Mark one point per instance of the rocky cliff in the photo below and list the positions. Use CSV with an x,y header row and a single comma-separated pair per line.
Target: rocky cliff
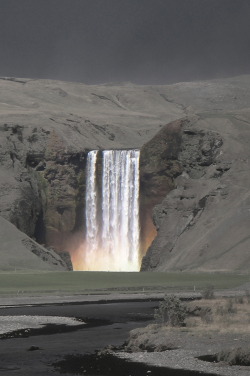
x,y
203,222
194,170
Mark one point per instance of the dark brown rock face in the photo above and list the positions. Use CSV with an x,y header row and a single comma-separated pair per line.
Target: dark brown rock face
x,y
60,182
50,181
159,166
201,223
193,152
178,149
46,186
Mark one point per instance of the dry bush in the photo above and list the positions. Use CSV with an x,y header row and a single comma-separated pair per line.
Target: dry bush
x,y
171,311
239,300
231,308
228,308
208,292
247,293
238,356
206,315
151,338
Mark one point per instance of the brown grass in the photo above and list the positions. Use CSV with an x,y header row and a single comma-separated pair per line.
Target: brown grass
x,y
221,315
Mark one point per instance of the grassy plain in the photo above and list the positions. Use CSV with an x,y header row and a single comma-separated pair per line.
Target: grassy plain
x,y
109,282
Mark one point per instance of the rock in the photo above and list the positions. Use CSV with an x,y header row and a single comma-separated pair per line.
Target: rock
x,y
33,348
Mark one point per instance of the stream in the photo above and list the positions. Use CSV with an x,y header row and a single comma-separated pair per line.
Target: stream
x,y
60,349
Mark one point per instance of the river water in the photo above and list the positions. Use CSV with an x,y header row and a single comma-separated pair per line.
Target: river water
x,y
59,349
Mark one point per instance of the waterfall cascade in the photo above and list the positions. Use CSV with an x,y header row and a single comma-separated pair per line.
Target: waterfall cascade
x,y
91,201
112,211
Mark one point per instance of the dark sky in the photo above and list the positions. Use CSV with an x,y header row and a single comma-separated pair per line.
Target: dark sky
x,y
141,41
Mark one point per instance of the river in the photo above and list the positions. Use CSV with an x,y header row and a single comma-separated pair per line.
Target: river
x,y
36,352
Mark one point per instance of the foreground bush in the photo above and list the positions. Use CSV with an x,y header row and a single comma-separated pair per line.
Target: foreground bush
x,y
239,356
171,311
151,338
208,292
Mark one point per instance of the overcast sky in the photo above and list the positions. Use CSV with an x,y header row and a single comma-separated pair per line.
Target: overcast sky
x,y
141,41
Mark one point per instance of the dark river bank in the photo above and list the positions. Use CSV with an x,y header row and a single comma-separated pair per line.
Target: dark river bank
x,y
58,349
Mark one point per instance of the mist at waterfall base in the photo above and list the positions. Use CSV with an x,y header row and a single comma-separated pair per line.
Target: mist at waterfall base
x,y
112,240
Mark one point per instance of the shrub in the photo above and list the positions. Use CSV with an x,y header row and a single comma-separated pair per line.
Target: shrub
x,y
206,315
220,310
230,307
239,300
247,293
239,356
171,311
208,293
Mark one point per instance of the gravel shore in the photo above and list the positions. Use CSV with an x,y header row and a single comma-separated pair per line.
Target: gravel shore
x,y
10,324
185,359
189,347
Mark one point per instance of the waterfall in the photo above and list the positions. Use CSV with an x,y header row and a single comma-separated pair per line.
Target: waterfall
x,y
91,202
112,240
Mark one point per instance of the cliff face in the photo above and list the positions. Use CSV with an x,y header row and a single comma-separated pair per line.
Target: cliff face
x,y
194,171
159,166
38,183
194,151
203,222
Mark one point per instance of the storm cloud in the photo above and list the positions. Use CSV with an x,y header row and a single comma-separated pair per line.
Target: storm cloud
x,y
142,41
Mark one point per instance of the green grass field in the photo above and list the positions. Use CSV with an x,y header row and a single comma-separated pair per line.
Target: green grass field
x,y
103,282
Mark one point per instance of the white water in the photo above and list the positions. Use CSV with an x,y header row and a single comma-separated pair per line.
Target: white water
x,y
91,202
114,245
